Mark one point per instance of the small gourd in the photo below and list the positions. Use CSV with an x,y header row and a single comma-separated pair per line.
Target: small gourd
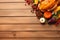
x,y
42,20
47,14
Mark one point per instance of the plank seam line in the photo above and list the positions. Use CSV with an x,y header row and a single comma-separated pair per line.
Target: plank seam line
x,y
19,23
12,2
17,9
17,16
33,31
28,37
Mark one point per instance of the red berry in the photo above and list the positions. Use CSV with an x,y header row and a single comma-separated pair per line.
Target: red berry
x,y
58,22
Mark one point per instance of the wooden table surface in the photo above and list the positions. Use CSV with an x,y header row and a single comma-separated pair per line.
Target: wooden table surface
x,y
18,23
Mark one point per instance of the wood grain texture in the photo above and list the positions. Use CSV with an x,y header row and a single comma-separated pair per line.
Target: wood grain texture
x,y
31,39
18,23
12,1
13,6
16,13
29,34
37,34
6,34
19,20
26,27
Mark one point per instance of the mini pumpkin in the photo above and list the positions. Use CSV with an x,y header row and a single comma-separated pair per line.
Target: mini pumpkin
x,y
47,14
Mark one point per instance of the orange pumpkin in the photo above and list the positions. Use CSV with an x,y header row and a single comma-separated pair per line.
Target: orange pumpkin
x,y
47,14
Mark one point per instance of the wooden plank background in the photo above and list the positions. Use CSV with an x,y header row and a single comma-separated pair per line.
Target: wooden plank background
x,y
18,23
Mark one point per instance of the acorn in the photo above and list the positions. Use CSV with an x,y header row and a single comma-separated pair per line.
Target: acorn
x,y
42,20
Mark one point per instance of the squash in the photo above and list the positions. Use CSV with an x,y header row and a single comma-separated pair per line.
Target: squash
x,y
58,14
57,9
35,1
46,4
47,14
56,4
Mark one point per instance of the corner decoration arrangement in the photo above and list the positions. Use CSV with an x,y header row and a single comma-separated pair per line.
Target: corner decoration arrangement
x,y
47,11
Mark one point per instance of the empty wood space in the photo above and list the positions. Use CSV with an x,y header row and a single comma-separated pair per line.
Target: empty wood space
x,y
16,13
29,34
18,23
12,1
26,27
13,6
